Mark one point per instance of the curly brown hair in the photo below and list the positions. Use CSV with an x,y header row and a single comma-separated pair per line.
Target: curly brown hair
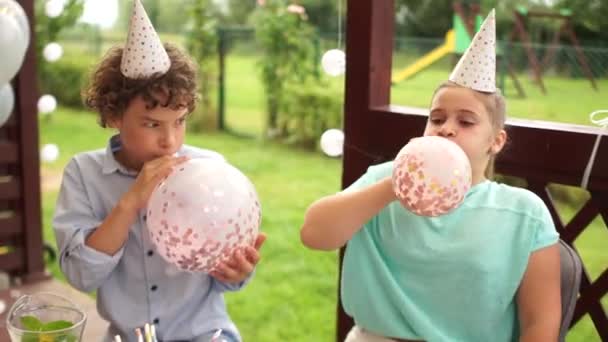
x,y
109,92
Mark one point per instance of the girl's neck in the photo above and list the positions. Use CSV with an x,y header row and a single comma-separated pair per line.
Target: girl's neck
x,y
478,177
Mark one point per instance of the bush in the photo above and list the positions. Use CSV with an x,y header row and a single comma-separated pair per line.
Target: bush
x,y
308,110
286,39
65,78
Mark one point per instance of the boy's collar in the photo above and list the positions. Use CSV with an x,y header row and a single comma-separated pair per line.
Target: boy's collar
x,y
110,164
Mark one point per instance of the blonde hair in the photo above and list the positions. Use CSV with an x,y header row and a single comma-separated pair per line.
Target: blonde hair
x,y
495,106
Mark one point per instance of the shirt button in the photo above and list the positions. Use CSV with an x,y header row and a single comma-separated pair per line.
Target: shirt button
x,y
155,321
67,254
154,287
145,217
150,252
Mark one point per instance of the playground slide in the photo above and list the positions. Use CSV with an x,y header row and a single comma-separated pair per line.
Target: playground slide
x,y
428,59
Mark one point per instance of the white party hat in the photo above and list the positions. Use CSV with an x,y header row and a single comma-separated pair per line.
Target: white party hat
x,y
476,69
144,54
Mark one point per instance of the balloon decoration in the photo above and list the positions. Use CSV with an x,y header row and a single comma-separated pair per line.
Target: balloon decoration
x,y
49,153
7,102
334,62
431,176
201,213
14,9
46,104
332,142
52,52
13,40
53,8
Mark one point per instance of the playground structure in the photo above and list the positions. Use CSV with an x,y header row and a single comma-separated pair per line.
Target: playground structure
x,y
467,22
519,31
457,40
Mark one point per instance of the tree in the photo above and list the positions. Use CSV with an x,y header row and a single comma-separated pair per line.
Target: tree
x,y
589,17
286,39
202,42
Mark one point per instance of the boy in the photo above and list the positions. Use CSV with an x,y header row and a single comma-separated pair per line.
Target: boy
x,y
144,91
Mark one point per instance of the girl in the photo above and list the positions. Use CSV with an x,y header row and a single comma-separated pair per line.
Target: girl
x,y
487,271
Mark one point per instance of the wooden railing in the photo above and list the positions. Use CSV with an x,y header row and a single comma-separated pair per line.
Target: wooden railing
x,y
541,153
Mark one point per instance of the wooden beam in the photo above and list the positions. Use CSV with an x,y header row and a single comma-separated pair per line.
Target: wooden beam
x,y
26,111
10,226
13,261
9,152
10,190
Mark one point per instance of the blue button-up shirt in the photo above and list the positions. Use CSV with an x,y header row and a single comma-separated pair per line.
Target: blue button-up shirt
x,y
136,285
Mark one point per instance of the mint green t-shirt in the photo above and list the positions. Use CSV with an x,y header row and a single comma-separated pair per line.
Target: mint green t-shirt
x,y
447,278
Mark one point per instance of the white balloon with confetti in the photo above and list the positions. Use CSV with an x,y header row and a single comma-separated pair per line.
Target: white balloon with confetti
x,y
201,213
431,176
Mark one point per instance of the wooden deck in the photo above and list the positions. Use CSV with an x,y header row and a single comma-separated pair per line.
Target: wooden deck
x,y
95,327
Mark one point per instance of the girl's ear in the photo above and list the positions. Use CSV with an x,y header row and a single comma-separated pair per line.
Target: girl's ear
x,y
499,142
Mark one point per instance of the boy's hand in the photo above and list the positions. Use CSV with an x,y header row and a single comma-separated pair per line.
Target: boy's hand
x,y
242,263
149,176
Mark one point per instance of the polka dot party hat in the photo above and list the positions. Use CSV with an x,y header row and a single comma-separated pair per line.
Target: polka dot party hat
x,y
144,54
476,69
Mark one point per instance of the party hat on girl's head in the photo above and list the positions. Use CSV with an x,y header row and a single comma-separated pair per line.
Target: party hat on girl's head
x,y
144,54
476,69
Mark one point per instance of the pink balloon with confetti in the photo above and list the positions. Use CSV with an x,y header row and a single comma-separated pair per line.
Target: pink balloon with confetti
x,y
431,176
201,213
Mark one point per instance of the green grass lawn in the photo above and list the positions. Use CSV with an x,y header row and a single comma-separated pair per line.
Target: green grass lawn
x,y
567,100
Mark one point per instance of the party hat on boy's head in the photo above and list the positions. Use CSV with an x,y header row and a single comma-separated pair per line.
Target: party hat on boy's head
x,y
476,69
144,54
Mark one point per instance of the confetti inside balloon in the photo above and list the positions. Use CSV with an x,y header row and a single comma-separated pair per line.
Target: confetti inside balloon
x,y
46,104
201,213
52,52
431,176
332,142
49,153
334,62
7,102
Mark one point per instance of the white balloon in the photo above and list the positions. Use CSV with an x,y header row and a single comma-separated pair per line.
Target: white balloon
x,y
12,8
334,62
49,153
13,45
7,102
52,52
53,8
46,104
332,142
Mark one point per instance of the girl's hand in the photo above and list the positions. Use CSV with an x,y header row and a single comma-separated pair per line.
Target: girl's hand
x,y
151,173
242,263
